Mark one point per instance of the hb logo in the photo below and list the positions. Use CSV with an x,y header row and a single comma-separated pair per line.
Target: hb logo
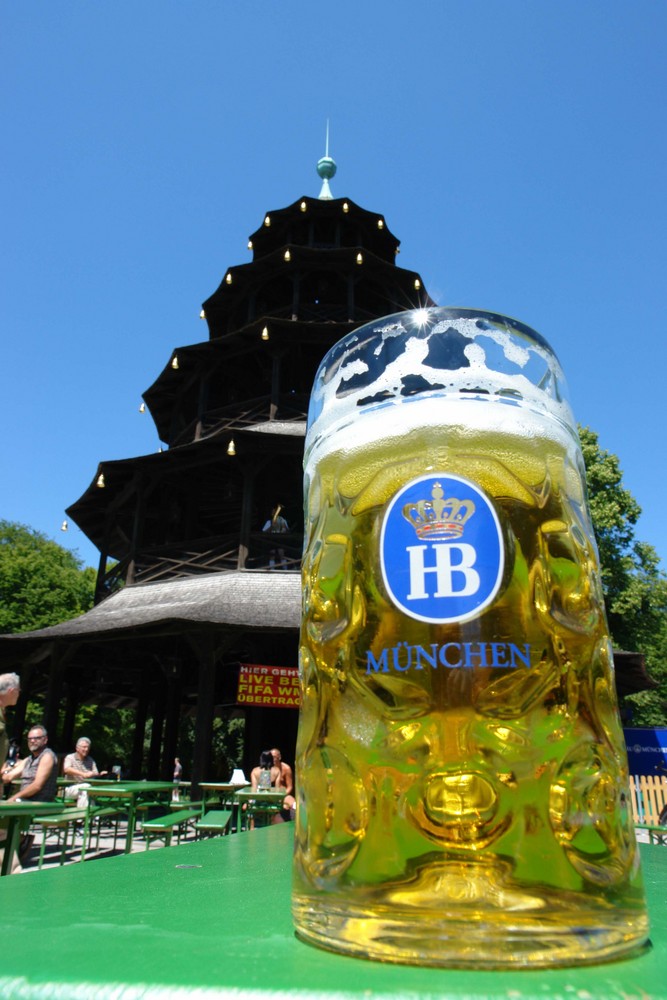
x,y
441,549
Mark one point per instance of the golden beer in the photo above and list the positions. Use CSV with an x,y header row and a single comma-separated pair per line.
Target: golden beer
x,y
461,771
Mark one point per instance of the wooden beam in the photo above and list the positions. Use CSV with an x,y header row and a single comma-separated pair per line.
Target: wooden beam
x,y
137,754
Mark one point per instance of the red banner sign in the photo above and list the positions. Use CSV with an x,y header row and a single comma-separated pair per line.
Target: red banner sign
x,y
270,687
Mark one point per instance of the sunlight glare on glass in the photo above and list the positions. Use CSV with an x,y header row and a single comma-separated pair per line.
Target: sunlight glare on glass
x,y
420,317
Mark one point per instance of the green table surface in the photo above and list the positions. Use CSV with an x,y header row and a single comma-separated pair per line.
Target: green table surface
x,y
223,786
212,919
101,787
268,795
14,813
28,807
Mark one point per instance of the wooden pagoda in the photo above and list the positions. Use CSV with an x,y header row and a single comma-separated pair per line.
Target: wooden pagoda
x,y
196,587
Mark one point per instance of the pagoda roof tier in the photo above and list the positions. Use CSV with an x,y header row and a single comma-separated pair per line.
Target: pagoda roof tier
x,y
330,223
246,355
106,512
306,283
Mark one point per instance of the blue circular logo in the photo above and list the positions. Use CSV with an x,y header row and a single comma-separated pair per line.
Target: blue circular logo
x,y
441,549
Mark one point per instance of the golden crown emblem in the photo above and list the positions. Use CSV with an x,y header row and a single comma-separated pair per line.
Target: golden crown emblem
x,y
439,517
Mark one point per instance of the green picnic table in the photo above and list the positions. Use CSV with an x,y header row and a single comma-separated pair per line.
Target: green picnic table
x,y
17,813
127,795
264,802
212,919
227,792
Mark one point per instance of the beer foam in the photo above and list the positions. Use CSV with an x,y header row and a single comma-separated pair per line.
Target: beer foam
x,y
396,422
447,354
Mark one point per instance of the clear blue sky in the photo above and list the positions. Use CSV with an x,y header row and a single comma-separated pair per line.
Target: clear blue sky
x,y
516,147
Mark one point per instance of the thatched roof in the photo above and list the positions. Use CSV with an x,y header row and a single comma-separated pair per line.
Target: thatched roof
x,y
244,598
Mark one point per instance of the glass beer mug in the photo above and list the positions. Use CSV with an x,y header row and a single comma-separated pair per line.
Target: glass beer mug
x,y
462,775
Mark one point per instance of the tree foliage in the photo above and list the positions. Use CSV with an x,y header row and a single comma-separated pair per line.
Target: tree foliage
x,y
110,730
41,583
227,743
635,589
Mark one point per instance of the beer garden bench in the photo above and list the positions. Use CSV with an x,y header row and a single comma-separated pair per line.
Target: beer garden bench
x,y
162,827
214,822
91,819
97,815
649,797
62,823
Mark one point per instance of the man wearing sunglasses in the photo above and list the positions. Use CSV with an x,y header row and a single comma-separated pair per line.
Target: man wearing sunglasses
x,y
38,771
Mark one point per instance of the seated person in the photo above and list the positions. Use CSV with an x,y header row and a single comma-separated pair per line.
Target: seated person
x,y
285,770
38,771
279,777
266,774
80,766
286,779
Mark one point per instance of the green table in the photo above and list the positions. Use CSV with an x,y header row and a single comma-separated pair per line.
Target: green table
x,y
212,919
269,801
224,789
126,795
16,813
228,796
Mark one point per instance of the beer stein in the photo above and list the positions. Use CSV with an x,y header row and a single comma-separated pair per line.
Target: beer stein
x,y
461,771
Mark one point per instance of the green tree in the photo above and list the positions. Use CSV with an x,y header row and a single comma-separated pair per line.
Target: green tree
x,y
41,583
634,587
111,731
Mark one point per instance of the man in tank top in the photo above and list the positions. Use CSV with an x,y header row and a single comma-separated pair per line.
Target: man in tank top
x,y
38,771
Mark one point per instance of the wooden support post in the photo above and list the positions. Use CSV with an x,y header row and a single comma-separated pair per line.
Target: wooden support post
x,y
172,718
204,648
100,586
71,707
275,387
137,527
53,696
156,731
137,755
296,296
246,516
19,713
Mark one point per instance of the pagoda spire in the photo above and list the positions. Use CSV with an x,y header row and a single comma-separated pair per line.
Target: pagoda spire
x,y
326,168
